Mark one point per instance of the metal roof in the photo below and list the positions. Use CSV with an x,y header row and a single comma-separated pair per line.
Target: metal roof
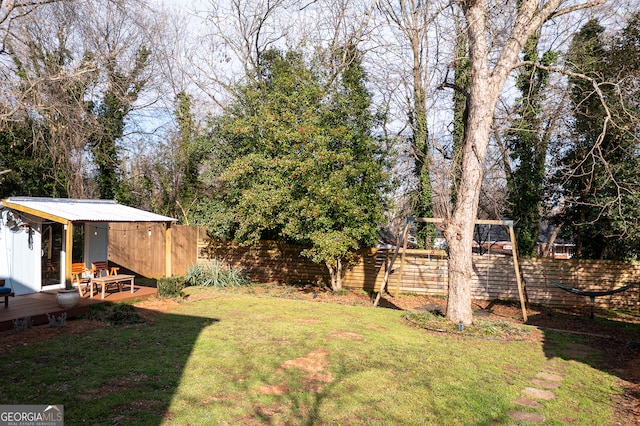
x,y
75,210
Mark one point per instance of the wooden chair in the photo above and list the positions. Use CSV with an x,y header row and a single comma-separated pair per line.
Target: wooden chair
x,y
80,276
51,270
101,269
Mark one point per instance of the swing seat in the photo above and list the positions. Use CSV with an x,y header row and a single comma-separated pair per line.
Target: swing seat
x,y
592,294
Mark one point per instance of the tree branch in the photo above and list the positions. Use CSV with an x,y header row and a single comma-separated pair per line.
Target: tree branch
x,y
573,8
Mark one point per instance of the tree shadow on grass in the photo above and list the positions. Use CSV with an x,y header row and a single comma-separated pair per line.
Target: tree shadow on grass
x,y
607,344
308,404
114,374
388,304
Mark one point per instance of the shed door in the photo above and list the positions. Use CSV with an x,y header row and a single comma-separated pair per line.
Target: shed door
x,y
52,235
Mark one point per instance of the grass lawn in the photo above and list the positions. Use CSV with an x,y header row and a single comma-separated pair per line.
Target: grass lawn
x,y
232,357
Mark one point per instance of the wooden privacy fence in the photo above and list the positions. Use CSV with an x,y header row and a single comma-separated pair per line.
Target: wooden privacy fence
x,y
425,272
141,247
494,279
269,262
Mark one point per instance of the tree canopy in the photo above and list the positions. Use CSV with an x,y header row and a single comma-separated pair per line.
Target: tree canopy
x,y
299,159
600,174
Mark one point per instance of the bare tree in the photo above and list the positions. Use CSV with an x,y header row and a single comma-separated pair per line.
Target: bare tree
x,y
39,71
411,21
230,41
11,11
62,62
492,55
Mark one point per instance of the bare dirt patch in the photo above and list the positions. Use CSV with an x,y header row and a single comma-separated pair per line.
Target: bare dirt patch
x,y
347,335
314,364
149,309
280,389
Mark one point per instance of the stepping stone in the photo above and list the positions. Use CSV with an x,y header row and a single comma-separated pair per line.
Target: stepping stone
x,y
521,416
555,367
539,394
545,384
527,402
549,377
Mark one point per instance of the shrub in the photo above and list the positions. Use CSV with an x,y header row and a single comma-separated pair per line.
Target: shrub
x,y
170,286
115,314
216,276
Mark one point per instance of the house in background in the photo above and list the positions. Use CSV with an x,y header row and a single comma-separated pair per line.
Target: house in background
x,y
41,237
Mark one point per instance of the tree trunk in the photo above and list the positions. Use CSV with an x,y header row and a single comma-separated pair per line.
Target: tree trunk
x,y
460,271
551,242
459,229
485,85
335,274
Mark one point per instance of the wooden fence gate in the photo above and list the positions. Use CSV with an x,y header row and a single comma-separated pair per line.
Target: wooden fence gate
x,y
141,247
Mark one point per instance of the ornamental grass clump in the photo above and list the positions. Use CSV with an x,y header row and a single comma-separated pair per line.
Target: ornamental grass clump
x,y
215,275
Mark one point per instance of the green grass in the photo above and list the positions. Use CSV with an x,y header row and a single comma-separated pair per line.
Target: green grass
x,y
240,358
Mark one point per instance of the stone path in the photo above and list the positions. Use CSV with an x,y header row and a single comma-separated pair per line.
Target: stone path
x,y
545,382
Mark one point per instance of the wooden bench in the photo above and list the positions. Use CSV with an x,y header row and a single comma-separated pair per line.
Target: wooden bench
x,y
5,292
118,279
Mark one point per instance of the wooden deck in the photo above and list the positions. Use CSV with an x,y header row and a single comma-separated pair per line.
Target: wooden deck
x,y
38,305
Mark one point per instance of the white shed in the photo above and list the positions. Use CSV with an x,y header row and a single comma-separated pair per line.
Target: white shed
x,y
41,237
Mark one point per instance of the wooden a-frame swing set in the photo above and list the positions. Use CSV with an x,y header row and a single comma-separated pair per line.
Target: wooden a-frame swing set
x,y
405,240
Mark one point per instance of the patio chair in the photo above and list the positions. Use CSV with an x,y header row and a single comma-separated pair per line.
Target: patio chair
x,y
5,292
101,268
51,270
80,276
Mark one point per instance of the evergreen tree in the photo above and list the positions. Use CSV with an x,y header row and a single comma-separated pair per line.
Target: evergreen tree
x,y
601,167
29,168
299,160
